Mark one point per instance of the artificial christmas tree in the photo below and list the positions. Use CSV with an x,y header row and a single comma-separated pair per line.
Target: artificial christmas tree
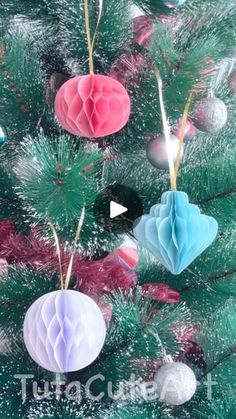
x,y
168,325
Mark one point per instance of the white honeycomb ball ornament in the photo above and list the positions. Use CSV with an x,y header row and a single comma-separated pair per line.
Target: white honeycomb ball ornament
x,y
175,383
64,331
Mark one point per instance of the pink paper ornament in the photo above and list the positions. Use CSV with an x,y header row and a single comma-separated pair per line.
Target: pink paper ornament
x,y
92,106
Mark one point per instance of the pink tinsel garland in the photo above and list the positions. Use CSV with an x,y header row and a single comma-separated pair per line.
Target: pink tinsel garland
x,y
93,276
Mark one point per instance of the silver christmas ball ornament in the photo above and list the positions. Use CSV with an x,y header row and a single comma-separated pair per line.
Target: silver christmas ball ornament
x,y
3,136
175,383
173,3
157,151
210,115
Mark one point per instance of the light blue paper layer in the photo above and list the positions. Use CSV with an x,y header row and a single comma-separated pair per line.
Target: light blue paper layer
x,y
175,231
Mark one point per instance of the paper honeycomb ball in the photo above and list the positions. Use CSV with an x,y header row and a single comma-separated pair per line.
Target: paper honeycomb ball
x,y
92,106
175,231
64,331
210,115
175,383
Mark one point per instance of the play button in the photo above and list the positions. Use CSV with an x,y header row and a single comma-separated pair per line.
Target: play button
x,y
116,208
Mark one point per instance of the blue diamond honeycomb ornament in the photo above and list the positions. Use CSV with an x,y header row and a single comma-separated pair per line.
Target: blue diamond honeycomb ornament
x,y
175,231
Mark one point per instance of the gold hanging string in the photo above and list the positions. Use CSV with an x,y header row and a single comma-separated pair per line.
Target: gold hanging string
x,y
181,133
94,36
77,236
97,25
88,35
166,130
58,251
164,354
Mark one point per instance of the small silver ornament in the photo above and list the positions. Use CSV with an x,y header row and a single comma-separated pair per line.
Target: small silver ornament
x,y
3,136
232,81
157,152
175,383
210,115
173,3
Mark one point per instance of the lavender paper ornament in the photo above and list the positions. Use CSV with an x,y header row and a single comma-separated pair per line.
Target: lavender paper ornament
x,y
175,231
64,331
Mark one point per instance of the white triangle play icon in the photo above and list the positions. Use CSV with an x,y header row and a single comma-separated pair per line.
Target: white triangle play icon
x,y
116,209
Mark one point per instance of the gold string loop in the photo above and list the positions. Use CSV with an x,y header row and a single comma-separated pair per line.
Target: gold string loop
x,y
58,251
166,130
181,134
173,168
77,236
88,35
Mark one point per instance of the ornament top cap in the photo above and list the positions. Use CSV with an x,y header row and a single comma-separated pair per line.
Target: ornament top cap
x,y
167,359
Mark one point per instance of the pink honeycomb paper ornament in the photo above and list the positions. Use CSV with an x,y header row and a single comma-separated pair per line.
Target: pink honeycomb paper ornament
x,y
92,106
64,331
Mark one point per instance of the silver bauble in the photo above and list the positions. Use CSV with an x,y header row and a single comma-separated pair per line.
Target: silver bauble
x,y
232,81
3,136
175,383
157,153
210,115
173,3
